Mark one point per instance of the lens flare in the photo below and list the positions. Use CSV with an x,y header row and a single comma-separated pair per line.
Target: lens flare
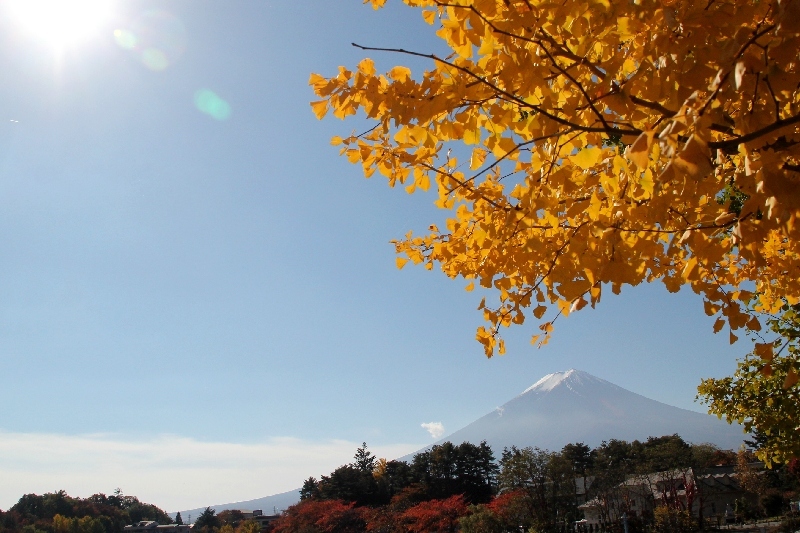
x,y
125,39
157,38
155,59
60,22
207,101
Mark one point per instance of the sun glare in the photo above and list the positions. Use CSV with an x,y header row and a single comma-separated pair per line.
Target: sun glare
x,y
60,22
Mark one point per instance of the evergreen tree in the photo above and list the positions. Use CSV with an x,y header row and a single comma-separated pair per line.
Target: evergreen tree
x,y
310,489
447,470
350,484
178,519
364,460
207,520
395,477
665,453
580,456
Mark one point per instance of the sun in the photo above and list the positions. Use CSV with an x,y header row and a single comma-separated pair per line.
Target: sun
x,y
60,22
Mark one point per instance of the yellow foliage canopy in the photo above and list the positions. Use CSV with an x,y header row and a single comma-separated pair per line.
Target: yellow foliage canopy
x,y
604,143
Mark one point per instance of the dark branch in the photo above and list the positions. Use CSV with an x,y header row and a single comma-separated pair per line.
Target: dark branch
x,y
519,101
753,135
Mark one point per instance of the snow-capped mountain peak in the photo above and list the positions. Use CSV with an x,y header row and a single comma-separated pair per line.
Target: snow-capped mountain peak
x,y
575,380
550,381
569,407
575,406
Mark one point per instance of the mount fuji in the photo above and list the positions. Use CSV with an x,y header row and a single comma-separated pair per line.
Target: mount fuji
x,y
562,408
574,406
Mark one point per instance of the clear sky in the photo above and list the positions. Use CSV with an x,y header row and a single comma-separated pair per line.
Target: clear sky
x,y
198,298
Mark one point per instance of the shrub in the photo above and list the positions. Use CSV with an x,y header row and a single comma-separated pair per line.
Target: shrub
x,y
669,520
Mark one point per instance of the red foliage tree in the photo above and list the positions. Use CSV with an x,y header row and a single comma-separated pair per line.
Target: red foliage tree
x,y
326,516
384,519
434,515
511,508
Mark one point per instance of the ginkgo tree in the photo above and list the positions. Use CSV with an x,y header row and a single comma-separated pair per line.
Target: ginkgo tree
x,y
764,397
602,143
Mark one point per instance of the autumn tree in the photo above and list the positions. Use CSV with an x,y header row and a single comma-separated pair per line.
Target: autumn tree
x,y
511,509
763,394
248,526
230,517
670,520
59,512
434,515
481,520
316,516
86,524
543,482
583,146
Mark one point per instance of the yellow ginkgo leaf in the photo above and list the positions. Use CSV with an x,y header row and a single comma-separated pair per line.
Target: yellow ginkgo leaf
x,y
320,108
472,136
400,73
477,159
587,158
639,151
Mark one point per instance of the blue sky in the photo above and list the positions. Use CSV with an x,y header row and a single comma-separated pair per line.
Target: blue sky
x,y
186,298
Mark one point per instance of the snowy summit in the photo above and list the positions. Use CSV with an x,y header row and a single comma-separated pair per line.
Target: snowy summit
x,y
575,406
572,379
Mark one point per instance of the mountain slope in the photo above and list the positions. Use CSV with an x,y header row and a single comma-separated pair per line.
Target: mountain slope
x,y
574,406
268,504
561,408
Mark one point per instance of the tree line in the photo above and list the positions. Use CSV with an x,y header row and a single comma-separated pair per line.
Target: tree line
x,y
57,512
228,521
443,471
466,488
451,487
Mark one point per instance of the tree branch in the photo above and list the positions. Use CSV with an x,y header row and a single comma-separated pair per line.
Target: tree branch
x,y
506,94
753,135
